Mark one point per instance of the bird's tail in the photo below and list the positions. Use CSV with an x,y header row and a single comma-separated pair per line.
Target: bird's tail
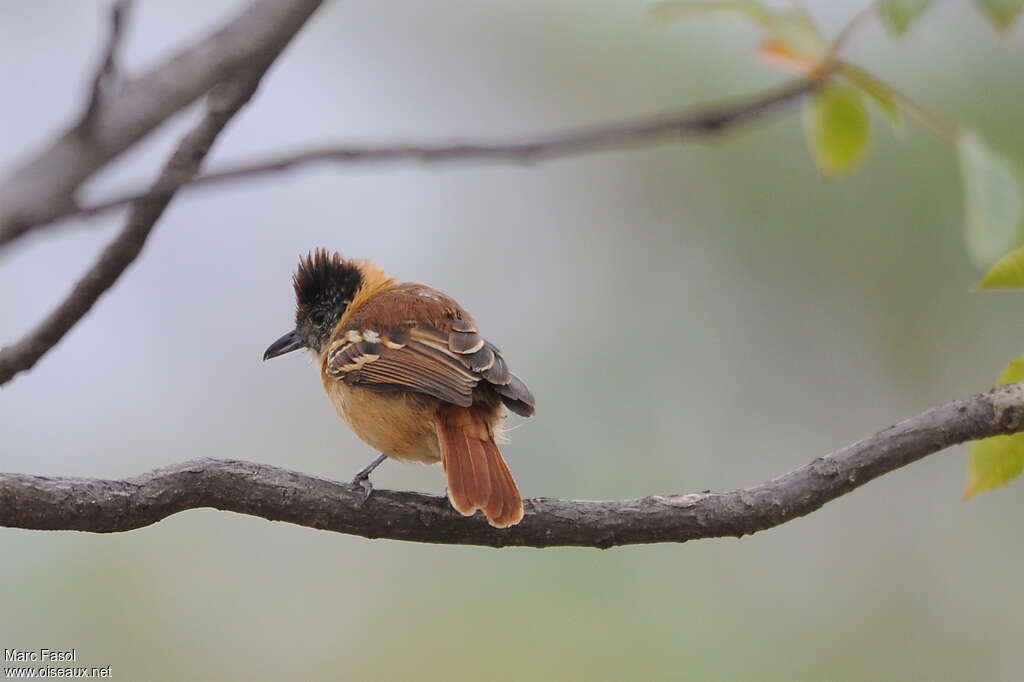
x,y
478,477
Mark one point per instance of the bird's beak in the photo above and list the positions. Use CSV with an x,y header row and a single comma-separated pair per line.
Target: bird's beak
x,y
286,344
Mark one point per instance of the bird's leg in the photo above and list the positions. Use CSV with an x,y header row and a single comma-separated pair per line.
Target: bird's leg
x,y
362,479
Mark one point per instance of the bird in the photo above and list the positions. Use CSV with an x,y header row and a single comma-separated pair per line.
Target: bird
x,y
406,367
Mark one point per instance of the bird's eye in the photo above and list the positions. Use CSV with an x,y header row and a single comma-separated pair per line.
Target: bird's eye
x,y
318,317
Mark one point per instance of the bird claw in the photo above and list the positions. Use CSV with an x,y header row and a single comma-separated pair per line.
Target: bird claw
x,y
363,481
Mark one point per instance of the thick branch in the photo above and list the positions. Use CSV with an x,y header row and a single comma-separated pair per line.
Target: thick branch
x,y
105,506
223,103
43,187
689,125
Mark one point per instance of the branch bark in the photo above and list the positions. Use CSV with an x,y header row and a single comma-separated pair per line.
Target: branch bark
x,y
42,188
690,125
105,506
224,101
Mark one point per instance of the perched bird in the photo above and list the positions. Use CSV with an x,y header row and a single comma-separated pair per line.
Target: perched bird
x,y
406,367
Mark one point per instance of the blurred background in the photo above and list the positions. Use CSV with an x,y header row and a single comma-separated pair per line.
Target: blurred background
x,y
786,317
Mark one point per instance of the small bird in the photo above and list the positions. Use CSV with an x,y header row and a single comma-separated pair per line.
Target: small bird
x,y
406,367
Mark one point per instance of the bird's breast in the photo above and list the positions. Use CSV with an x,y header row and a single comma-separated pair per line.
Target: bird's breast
x,y
400,424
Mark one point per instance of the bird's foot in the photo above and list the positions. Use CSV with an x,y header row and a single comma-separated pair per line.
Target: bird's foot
x,y
362,479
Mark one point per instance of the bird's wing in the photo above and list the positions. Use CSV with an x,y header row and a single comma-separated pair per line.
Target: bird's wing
x,y
447,364
413,359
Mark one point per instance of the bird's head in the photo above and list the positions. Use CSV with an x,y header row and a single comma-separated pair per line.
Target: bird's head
x,y
325,284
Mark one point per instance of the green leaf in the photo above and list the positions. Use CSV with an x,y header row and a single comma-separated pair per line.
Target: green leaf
x,y
994,462
1001,12
992,200
898,15
1007,273
998,460
838,128
1014,372
879,92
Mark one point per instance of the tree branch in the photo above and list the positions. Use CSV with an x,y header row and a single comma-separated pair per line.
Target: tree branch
x,y
127,246
688,125
42,188
107,70
105,506
224,101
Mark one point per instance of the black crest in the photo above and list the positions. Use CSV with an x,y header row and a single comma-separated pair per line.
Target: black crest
x,y
325,284
323,274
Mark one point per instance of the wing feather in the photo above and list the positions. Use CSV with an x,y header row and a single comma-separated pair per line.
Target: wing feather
x,y
401,354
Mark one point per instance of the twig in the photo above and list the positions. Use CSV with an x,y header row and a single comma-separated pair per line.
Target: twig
x,y
689,125
934,123
107,71
931,121
223,103
106,506
847,32
42,188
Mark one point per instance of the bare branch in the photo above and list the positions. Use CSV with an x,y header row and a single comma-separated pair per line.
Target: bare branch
x,y
107,71
689,125
106,506
224,101
42,188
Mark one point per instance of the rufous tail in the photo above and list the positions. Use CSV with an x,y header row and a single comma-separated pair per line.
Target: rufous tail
x,y
478,477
